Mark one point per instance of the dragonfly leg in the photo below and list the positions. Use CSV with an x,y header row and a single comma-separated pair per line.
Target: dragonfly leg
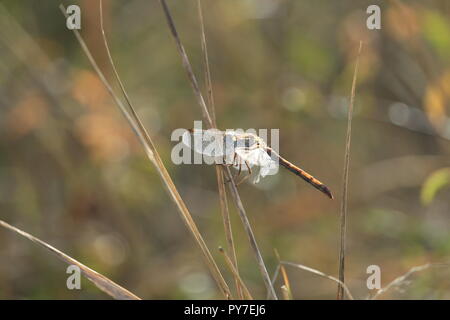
x,y
249,173
229,164
248,167
235,159
239,171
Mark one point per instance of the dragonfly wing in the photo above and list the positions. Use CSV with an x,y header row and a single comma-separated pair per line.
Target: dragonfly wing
x,y
258,157
206,142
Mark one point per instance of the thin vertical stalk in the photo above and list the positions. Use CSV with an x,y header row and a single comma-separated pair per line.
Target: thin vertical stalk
x,y
219,174
155,159
343,214
207,118
233,270
251,236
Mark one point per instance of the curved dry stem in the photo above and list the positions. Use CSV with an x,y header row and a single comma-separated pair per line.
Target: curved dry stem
x,y
402,279
250,235
235,273
232,184
219,174
210,95
286,288
103,283
343,214
319,273
154,157
187,65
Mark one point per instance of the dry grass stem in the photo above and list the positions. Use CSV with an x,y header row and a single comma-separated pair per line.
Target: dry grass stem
x,y
103,283
210,95
250,235
235,273
343,213
403,278
287,292
187,65
228,174
319,273
219,174
154,157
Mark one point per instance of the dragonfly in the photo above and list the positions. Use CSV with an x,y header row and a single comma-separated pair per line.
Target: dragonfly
x,y
244,151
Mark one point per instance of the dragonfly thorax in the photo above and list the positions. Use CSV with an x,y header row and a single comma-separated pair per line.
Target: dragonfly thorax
x,y
246,140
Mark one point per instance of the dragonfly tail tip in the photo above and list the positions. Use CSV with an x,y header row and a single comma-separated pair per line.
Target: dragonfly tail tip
x,y
327,192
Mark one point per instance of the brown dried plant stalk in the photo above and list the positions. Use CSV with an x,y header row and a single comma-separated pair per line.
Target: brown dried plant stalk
x,y
103,283
155,159
207,118
224,210
343,213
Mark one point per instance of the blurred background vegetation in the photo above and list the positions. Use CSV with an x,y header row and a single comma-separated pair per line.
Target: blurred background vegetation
x,y
73,173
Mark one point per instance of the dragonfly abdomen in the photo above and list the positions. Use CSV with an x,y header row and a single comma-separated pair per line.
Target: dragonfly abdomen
x,y
301,173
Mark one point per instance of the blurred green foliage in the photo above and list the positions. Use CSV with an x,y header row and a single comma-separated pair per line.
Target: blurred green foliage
x,y
434,183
